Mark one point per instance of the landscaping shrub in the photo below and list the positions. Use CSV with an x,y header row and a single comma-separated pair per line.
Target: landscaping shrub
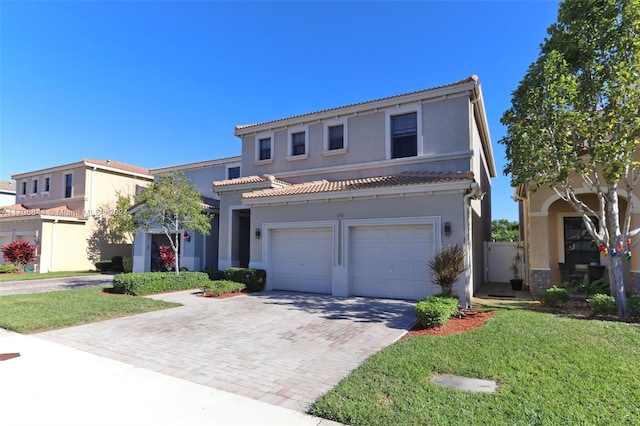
x,y
254,279
19,253
103,265
634,305
603,304
127,264
555,297
436,310
216,275
219,287
142,283
8,268
446,266
116,264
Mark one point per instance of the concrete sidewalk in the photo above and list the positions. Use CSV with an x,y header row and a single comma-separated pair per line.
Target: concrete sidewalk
x,y
51,384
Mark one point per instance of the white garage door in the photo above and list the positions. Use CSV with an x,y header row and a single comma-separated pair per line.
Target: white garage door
x,y
390,261
301,259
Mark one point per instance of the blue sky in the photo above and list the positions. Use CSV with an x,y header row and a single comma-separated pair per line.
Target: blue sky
x,y
158,83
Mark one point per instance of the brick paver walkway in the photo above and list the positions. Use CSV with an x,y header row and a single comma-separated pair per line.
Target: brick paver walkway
x,y
282,348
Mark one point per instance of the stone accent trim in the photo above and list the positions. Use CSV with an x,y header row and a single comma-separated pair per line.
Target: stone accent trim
x,y
540,281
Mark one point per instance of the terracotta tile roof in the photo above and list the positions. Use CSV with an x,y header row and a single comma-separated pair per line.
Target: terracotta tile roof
x,y
472,78
404,179
20,210
248,179
119,165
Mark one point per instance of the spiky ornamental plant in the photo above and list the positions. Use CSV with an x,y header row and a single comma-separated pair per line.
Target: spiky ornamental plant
x,y
167,256
20,253
446,266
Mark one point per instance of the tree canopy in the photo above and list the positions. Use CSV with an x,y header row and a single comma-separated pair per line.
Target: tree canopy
x,y
574,122
173,204
503,230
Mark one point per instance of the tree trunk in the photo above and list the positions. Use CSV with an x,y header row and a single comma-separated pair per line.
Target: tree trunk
x,y
616,278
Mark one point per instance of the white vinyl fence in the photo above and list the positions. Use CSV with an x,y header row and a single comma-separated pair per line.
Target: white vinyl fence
x,y
498,258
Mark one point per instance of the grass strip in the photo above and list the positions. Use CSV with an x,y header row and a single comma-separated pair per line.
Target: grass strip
x,y
32,313
550,370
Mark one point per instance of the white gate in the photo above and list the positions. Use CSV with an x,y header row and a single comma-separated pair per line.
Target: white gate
x,y
498,258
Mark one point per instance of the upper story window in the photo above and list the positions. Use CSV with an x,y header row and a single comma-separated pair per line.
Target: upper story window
x,y
404,135
47,184
68,185
336,137
264,149
34,187
233,172
298,143
23,188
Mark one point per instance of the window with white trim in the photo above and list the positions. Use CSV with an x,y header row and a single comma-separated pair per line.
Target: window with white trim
x,y
68,185
335,137
298,143
23,189
233,172
264,149
404,135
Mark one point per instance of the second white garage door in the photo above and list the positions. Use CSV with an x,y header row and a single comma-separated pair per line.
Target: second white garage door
x,y
390,261
301,259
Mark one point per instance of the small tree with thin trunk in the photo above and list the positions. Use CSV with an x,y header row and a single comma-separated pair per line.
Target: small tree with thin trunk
x,y
173,204
20,253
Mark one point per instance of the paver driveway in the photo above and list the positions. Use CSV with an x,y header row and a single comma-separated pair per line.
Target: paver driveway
x,y
283,348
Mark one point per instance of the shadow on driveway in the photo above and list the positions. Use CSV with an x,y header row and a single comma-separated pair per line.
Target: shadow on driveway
x,y
397,314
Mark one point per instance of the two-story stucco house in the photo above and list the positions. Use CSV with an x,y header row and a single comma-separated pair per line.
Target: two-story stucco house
x,y
197,252
355,200
55,208
7,192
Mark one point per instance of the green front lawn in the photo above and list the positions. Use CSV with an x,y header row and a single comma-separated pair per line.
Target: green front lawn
x,y
32,313
550,371
31,276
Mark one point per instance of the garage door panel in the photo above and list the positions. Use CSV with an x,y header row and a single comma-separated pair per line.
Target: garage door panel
x,y
390,260
302,259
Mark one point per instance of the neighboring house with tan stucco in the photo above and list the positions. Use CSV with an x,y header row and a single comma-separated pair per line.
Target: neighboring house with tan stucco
x,y
197,252
557,243
55,208
355,200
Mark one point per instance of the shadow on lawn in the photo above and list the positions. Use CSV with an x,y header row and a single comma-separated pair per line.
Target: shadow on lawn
x,y
397,314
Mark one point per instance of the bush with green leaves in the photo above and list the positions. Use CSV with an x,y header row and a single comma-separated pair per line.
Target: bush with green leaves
x,y
587,287
127,264
436,310
216,275
603,304
142,283
8,268
217,288
116,264
555,297
634,305
254,279
103,265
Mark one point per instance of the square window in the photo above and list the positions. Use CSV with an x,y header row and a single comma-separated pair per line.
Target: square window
x,y
336,137
68,185
404,135
233,172
265,149
298,143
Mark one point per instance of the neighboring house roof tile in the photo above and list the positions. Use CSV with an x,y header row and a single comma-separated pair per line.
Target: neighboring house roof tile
x,y
16,210
119,165
247,180
404,179
473,78
8,185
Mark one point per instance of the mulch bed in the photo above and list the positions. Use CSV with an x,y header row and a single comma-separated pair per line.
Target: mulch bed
x,y
469,319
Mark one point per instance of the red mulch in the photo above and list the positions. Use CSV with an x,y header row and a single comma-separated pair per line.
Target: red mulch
x,y
468,320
